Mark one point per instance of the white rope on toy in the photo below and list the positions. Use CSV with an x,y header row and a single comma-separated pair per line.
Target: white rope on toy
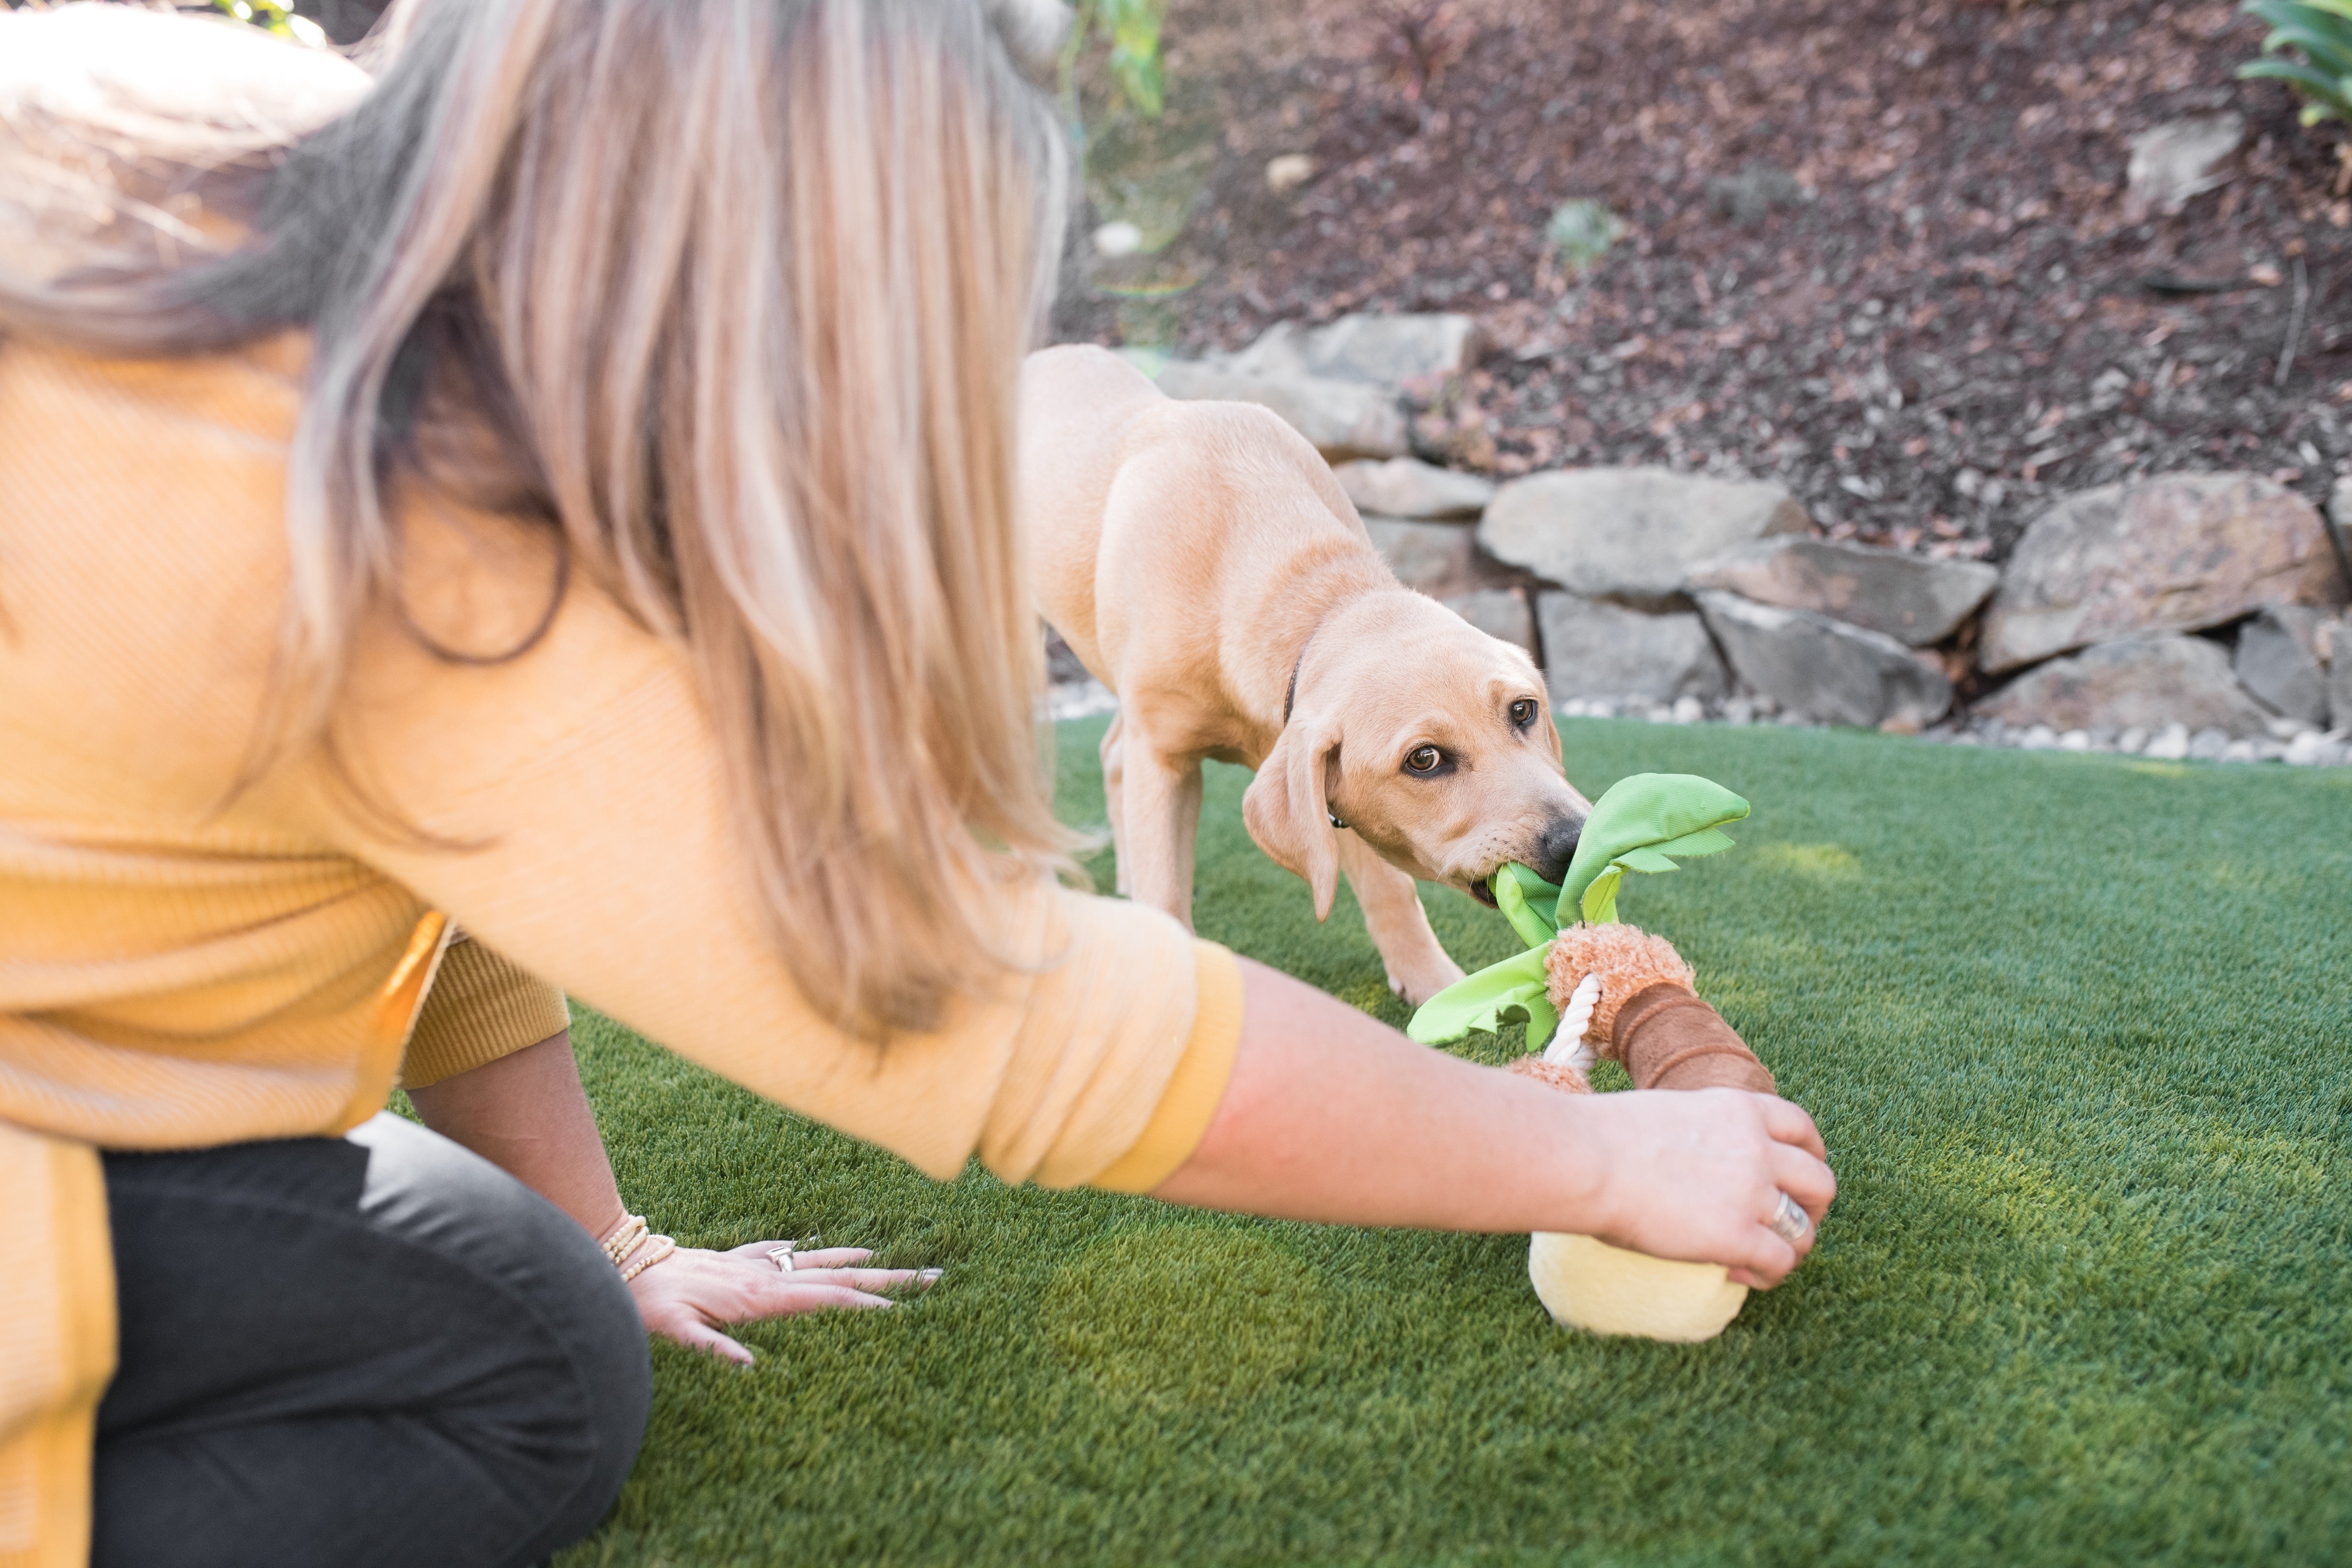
x,y
1568,1047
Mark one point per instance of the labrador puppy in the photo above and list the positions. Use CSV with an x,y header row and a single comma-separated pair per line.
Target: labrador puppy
x,y
1202,563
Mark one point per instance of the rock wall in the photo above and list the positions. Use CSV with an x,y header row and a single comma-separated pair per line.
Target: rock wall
x,y
2184,614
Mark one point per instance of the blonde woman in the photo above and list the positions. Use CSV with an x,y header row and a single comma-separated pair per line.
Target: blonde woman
x,y
559,484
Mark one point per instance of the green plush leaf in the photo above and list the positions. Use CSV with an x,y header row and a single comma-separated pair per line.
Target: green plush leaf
x,y
1498,994
1534,918
1706,841
1599,902
1645,811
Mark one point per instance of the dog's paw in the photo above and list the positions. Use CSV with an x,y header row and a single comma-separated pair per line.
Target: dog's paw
x,y
1419,988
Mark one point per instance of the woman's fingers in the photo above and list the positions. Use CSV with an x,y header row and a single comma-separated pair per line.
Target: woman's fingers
x,y
810,1258
1804,1178
687,1328
874,1281
1787,1123
1770,1261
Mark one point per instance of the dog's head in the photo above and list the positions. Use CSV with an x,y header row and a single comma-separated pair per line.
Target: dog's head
x,y
1429,739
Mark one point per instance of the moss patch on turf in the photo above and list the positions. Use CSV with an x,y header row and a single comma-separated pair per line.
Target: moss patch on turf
x,y
2079,1037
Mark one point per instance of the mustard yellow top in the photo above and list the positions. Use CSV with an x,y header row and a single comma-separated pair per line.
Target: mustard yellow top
x,y
183,964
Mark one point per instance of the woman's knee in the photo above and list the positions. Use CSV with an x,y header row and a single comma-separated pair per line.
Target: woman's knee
x,y
386,1338
570,1292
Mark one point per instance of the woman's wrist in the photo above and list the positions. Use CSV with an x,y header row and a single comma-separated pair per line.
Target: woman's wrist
x,y
1574,1165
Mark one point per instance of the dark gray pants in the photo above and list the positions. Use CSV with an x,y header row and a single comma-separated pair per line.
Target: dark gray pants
x,y
372,1350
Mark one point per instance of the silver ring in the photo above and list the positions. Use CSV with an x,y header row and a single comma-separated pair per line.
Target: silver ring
x,y
1789,1221
781,1257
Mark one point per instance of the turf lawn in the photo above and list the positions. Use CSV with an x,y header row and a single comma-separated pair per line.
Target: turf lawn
x,y
2078,1030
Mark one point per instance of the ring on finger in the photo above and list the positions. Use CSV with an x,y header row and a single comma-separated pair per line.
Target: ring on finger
x,y
781,1257
1789,1221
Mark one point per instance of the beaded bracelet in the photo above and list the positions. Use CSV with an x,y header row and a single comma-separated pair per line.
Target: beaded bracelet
x,y
655,1248
625,1238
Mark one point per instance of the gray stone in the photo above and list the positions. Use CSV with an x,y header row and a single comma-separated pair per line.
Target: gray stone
x,y
2170,745
2151,682
1594,648
1433,558
1407,487
2177,160
2175,553
2279,660
1630,534
1342,419
2336,647
1387,349
2309,749
1915,599
1500,613
1814,665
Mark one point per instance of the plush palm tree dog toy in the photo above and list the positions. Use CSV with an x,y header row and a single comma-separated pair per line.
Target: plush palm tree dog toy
x,y
1600,989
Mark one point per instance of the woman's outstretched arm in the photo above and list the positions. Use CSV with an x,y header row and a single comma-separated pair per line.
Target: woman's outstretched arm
x,y
1330,1115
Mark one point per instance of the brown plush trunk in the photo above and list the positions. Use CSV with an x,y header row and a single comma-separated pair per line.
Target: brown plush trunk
x,y
1668,1038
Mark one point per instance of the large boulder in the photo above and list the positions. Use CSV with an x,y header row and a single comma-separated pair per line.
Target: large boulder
x,y
2175,553
2282,658
1407,487
1594,648
1914,599
2144,682
1825,669
1429,557
1387,349
1630,534
1343,418
1500,613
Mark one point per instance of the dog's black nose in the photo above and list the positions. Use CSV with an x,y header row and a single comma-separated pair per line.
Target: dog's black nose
x,y
1556,848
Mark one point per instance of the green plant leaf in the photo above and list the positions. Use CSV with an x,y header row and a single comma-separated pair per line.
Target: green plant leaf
x,y
2326,89
2331,55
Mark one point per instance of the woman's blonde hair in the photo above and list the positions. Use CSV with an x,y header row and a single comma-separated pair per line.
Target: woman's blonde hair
x,y
734,294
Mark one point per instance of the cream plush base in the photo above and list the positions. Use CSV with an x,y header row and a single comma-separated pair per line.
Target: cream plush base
x,y
1604,1289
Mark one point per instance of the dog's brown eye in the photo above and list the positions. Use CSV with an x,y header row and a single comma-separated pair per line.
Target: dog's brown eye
x,y
1423,759
1523,712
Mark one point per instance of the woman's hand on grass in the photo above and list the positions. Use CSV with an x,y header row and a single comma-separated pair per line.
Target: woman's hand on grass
x,y
1697,1175
688,1295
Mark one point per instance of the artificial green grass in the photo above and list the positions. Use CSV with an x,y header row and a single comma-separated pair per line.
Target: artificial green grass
x,y
2077,1029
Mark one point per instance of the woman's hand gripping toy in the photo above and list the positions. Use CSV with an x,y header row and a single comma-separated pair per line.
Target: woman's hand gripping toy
x,y
1602,989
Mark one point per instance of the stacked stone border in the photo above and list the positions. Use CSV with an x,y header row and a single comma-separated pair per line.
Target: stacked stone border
x,y
2186,615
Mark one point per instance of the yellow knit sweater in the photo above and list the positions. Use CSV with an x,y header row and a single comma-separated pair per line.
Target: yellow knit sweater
x,y
184,964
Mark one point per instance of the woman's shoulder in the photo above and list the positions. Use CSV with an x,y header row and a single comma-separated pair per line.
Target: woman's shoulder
x,y
142,554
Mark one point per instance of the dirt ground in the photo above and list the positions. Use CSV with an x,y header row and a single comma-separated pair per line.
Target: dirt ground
x,y
1877,248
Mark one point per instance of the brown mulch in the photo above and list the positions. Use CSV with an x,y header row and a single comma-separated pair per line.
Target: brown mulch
x,y
1948,320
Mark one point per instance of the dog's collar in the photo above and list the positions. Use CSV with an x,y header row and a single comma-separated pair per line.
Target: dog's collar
x,y
1291,699
1290,692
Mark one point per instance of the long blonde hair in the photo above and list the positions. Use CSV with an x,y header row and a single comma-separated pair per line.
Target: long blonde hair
x,y
734,294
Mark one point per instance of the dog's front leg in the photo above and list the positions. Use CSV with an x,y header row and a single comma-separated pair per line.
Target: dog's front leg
x,y
1113,771
1418,967
1160,799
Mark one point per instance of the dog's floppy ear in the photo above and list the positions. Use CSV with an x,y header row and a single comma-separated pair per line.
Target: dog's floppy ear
x,y
1287,812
